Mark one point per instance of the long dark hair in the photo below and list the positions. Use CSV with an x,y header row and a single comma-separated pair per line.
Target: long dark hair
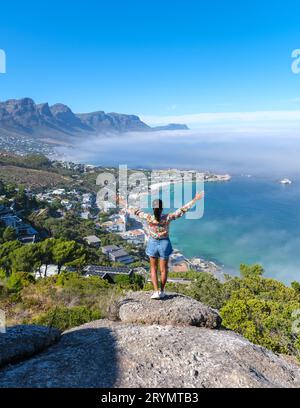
x,y
157,207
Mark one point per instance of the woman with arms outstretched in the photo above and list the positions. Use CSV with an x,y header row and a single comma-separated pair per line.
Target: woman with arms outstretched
x,y
159,246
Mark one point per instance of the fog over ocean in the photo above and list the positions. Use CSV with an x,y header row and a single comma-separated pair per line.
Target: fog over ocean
x,y
257,152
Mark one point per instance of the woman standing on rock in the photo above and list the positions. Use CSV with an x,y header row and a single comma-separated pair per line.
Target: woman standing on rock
x,y
159,246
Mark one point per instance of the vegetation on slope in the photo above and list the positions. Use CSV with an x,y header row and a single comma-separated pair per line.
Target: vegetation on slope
x,y
263,310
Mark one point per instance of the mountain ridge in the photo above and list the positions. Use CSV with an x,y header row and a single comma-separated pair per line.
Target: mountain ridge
x,y
23,117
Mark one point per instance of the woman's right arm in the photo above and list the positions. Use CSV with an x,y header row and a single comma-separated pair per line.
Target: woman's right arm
x,y
132,210
138,213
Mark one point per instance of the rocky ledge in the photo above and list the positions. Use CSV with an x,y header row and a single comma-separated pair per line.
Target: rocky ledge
x,y
136,352
23,341
175,309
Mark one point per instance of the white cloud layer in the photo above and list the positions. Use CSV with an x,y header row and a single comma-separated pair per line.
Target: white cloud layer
x,y
289,118
221,150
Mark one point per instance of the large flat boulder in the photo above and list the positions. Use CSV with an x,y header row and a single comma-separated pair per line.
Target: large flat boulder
x,y
175,309
22,341
115,354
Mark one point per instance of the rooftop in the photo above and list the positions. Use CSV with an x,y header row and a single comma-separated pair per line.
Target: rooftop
x,y
103,270
119,253
108,248
92,239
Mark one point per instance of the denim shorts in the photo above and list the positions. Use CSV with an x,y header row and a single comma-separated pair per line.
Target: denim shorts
x,y
159,248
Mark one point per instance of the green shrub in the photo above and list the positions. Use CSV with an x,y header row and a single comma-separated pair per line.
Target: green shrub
x,y
138,281
134,282
261,309
2,275
18,280
264,322
248,271
64,318
191,275
207,289
74,280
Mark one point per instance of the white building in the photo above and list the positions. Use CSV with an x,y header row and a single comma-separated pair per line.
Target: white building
x,y
59,191
51,271
85,215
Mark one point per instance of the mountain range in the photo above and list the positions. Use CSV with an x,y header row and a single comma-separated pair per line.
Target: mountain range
x,y
57,122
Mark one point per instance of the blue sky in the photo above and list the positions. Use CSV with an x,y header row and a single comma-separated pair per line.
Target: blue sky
x,y
158,59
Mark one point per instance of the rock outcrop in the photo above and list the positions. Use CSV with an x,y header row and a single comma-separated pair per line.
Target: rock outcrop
x,y
176,353
24,341
175,309
172,126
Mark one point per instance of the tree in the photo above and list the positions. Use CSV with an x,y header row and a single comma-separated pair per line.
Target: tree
x,y
5,250
18,280
2,188
261,309
207,289
9,234
247,271
45,249
265,322
25,259
70,228
138,281
37,161
10,190
123,281
296,286
66,252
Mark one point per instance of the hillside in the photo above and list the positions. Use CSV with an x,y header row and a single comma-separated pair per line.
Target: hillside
x,y
187,349
32,171
32,178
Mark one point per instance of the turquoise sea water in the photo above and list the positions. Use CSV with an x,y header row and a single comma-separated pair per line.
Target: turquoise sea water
x,y
246,220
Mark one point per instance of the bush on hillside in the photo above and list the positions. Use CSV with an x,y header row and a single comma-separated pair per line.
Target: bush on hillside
x,y
18,280
64,318
261,309
207,289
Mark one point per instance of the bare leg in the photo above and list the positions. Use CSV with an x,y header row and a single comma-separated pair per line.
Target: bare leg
x,y
153,272
163,266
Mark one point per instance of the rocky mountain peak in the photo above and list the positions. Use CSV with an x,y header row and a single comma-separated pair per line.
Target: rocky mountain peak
x,y
65,115
44,109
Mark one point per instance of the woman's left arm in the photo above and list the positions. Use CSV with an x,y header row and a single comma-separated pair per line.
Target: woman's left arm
x,y
181,211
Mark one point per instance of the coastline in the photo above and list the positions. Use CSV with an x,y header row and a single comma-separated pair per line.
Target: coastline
x,y
206,178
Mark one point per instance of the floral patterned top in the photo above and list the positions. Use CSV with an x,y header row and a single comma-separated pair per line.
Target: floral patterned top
x,y
160,229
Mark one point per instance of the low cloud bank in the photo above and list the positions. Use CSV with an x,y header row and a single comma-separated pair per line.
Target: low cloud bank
x,y
215,149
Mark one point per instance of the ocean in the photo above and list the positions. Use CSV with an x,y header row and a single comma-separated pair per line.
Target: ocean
x,y
246,220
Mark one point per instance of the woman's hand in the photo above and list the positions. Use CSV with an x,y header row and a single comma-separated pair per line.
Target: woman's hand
x,y
119,200
200,195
